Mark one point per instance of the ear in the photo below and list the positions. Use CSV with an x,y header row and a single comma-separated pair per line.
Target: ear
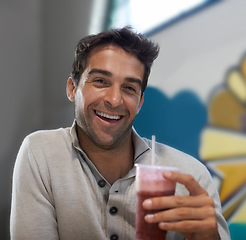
x,y
141,103
71,89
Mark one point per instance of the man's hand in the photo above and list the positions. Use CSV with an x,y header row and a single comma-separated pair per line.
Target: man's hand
x,y
194,216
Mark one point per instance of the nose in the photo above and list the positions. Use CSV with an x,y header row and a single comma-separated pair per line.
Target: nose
x,y
113,96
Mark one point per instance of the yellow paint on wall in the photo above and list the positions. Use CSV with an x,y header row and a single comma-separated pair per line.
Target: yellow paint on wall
x,y
225,111
243,67
234,177
232,206
240,215
216,143
237,84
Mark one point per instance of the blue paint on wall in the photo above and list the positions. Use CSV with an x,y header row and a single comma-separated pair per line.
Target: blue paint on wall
x,y
176,122
238,231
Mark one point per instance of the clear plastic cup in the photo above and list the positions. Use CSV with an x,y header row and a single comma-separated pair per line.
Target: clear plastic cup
x,y
151,183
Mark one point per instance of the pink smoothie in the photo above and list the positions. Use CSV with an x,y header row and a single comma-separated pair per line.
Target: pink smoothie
x,y
150,183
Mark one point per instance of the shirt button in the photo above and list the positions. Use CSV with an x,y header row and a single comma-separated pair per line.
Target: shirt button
x,y
101,183
113,210
114,237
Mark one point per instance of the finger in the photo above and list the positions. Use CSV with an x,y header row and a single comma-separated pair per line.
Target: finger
x,y
187,180
191,226
167,202
182,214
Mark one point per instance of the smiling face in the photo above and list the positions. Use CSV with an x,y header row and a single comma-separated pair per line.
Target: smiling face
x,y
108,97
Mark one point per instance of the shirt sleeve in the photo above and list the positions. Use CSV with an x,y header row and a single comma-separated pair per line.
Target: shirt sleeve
x,y
203,177
32,207
208,184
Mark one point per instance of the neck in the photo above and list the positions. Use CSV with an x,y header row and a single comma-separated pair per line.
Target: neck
x,y
113,163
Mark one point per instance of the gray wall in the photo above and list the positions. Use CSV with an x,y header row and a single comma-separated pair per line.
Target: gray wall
x,y
37,41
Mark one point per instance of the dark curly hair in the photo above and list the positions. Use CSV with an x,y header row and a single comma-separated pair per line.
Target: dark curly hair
x,y
136,44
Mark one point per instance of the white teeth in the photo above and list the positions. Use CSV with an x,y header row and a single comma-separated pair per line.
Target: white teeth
x,y
114,117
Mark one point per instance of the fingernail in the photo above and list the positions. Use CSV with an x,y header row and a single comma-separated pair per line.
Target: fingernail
x,y
168,173
149,217
147,203
162,225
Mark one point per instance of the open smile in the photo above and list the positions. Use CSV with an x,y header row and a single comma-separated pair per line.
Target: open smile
x,y
108,117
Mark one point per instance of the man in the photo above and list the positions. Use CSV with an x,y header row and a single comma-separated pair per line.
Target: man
x,y
79,182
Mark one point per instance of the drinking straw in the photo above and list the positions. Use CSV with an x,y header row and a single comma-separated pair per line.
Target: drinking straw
x,y
153,150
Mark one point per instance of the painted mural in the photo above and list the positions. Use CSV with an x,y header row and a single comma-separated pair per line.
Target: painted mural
x,y
215,134
223,146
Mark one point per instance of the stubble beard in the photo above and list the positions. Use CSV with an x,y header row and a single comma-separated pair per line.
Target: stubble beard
x,y
87,131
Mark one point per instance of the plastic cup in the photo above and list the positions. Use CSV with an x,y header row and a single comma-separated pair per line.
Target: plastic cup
x,y
151,183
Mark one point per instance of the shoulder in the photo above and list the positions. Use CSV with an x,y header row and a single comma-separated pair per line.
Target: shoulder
x,y
186,164
167,155
47,137
45,144
45,147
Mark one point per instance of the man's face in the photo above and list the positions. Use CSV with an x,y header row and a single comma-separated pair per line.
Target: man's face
x,y
108,96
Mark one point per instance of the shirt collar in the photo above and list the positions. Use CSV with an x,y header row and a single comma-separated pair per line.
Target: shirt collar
x,y
75,140
141,145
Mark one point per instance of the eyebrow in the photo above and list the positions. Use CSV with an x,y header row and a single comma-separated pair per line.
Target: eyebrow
x,y
109,74
103,72
134,80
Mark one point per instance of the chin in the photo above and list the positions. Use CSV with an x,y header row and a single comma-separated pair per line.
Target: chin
x,y
106,143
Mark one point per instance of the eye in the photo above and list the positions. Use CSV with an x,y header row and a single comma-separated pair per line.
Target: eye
x,y
99,82
133,89
130,88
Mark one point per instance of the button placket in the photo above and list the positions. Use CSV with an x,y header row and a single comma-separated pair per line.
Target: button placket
x,y
113,210
101,183
114,237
